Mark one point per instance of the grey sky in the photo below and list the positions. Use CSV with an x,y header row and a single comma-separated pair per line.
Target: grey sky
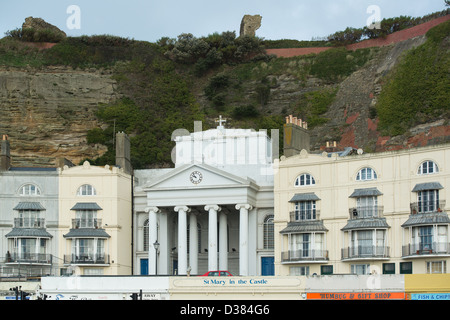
x,y
150,20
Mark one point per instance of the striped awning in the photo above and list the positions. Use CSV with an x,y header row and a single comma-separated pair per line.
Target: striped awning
x,y
29,206
86,206
427,186
367,192
304,227
370,223
304,197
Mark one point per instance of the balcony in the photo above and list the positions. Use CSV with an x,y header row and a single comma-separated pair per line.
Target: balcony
x,y
427,206
419,250
304,256
86,223
364,212
365,252
97,259
33,258
29,223
304,215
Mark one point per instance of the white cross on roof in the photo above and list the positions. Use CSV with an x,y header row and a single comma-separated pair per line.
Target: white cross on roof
x,y
221,121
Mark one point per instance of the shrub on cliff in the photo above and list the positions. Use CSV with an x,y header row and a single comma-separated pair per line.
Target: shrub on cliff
x,y
417,91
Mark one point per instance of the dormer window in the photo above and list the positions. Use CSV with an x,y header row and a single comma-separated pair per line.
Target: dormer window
x,y
86,190
428,167
29,190
305,180
366,174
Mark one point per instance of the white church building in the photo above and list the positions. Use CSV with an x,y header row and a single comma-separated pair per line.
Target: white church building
x,y
212,211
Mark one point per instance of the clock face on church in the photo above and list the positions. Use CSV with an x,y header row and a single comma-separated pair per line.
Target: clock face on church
x,y
196,177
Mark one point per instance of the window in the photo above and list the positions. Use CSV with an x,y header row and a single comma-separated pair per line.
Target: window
x,y
428,167
425,238
405,267
87,219
367,207
86,190
29,190
428,201
29,218
366,174
268,232
305,180
436,267
325,270
299,271
360,269
305,210
388,268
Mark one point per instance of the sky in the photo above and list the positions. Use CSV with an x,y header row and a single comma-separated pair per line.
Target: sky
x,y
150,20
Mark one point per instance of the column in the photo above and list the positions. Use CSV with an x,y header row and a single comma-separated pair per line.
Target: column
x,y
182,239
223,241
212,236
152,237
243,238
193,243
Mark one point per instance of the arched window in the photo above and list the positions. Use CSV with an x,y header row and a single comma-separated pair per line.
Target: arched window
x,y
305,180
29,190
268,232
366,174
86,190
428,167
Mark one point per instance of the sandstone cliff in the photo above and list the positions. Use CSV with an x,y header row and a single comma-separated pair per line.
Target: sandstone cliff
x,y
47,112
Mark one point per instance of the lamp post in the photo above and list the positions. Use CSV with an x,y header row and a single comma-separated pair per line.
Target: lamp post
x,y
156,246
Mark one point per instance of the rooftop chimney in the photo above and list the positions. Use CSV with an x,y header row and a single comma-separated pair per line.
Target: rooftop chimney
x,y
296,136
123,152
5,155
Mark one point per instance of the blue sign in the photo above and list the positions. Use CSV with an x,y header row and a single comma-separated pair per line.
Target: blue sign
x,y
430,296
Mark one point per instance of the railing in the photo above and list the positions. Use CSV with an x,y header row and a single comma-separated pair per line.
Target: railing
x,y
427,206
366,212
304,255
38,258
86,223
304,215
98,258
29,223
360,252
436,248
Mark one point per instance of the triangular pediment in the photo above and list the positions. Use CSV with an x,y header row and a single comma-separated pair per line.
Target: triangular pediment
x,y
197,176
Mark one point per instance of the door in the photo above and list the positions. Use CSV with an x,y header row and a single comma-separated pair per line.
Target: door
x,y
267,266
144,267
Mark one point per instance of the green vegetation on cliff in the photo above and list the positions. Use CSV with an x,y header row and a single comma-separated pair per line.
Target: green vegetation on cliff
x,y
418,89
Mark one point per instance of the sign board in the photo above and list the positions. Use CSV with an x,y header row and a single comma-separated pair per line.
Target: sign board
x,y
430,296
357,296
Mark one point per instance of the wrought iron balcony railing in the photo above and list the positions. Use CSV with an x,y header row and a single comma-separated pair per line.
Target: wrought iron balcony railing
x,y
86,223
366,212
99,258
27,257
362,252
304,215
427,206
29,223
304,255
419,249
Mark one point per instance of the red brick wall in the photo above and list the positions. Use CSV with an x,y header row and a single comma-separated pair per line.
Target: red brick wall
x,y
390,39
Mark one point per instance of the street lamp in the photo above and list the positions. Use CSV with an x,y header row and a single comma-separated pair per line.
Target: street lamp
x,y
156,246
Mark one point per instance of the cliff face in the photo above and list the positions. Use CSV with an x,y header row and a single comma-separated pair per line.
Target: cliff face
x,y
47,112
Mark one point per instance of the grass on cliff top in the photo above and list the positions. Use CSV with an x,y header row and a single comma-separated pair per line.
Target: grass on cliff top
x,y
417,91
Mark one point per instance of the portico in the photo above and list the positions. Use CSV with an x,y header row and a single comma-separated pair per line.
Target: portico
x,y
187,206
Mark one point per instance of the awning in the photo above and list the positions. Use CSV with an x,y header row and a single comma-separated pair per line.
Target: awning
x,y
304,197
87,233
29,206
304,227
427,219
28,232
372,223
368,192
86,206
427,186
